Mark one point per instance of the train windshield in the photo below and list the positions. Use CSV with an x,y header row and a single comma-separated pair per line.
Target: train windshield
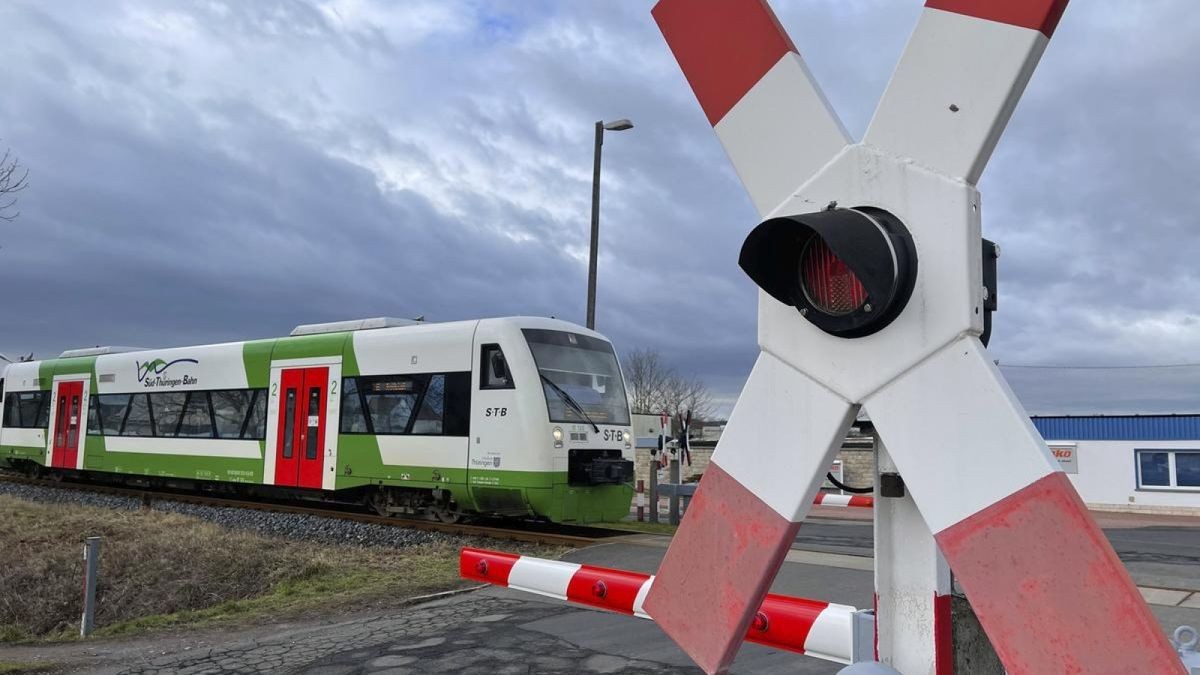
x,y
584,368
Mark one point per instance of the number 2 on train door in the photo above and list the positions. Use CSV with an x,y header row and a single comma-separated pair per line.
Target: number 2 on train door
x,y
301,437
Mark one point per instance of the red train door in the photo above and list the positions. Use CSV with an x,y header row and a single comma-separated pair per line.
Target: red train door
x,y
67,420
301,436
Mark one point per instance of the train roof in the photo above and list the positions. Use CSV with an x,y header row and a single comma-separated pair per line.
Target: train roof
x,y
385,325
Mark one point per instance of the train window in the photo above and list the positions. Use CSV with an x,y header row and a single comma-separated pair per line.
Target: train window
x,y
139,421
289,423
353,419
111,410
43,416
93,421
429,418
457,405
31,405
61,425
436,404
256,424
12,412
167,409
197,419
27,409
314,410
229,411
390,402
73,423
493,367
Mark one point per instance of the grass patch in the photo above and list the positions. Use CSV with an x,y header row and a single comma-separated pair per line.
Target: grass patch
x,y
162,570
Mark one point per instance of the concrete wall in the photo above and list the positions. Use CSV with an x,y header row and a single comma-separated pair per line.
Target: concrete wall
x,y
1107,478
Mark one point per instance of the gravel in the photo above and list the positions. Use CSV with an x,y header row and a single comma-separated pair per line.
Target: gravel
x,y
303,527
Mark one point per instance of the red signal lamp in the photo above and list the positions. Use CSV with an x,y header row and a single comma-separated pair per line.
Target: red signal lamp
x,y
848,271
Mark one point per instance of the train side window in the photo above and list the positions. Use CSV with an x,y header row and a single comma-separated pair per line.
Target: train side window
x,y
458,405
230,408
390,401
12,413
27,409
43,415
93,421
167,410
433,405
256,424
31,405
197,420
139,421
111,410
494,373
353,421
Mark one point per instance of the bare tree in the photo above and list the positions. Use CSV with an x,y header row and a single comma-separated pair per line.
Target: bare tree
x,y
655,387
13,179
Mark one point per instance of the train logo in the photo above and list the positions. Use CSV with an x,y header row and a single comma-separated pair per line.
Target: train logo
x,y
156,368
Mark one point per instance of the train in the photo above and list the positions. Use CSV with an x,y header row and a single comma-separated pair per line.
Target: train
x,y
522,417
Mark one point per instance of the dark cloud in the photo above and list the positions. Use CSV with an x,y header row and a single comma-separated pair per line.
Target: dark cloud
x,y
226,170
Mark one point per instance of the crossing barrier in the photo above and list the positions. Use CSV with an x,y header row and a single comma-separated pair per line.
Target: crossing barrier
x,y
857,501
825,630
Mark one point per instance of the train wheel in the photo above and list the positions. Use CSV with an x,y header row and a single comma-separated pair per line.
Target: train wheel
x,y
445,515
380,502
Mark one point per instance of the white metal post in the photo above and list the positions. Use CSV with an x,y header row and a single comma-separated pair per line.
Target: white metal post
x,y
91,563
912,584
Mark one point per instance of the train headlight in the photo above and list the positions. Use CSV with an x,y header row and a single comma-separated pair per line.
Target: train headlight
x,y
850,272
628,440
558,436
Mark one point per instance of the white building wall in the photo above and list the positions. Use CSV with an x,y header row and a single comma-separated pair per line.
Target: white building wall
x,y
1107,477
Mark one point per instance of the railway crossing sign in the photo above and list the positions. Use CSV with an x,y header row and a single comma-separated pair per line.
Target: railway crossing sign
x,y
873,297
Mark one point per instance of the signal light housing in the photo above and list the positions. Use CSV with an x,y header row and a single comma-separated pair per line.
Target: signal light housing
x,y
848,271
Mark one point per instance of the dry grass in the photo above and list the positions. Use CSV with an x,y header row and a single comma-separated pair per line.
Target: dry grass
x,y
159,570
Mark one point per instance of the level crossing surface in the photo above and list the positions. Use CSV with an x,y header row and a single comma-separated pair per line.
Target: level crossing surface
x,y
1161,545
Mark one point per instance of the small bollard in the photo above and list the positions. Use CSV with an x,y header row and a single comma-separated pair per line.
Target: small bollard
x,y
654,466
674,503
641,501
91,561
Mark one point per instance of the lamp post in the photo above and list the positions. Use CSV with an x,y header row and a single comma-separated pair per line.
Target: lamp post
x,y
601,127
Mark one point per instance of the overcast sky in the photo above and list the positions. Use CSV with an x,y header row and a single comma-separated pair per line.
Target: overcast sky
x,y
208,171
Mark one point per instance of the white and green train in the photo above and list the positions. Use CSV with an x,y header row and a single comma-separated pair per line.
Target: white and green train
x,y
517,416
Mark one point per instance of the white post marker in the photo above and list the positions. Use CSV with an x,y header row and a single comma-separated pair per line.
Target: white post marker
x,y
873,295
91,565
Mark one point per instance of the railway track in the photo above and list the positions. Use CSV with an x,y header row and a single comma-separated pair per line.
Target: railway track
x,y
541,533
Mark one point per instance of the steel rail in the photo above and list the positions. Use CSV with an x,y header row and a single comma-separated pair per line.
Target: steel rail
x,y
574,535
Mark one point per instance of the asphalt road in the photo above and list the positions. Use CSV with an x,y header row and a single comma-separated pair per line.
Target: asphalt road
x,y
1162,545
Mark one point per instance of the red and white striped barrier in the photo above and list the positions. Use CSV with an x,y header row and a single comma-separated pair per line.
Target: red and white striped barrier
x,y
820,629
830,499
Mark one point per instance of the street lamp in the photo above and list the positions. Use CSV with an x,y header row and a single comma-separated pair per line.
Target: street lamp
x,y
601,127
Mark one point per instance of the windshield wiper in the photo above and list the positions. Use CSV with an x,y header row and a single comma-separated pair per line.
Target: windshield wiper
x,y
569,400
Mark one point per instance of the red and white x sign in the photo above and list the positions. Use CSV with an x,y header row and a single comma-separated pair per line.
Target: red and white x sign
x,y
1044,582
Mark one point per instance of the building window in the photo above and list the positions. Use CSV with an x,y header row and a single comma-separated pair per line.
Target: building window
x,y
1168,469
